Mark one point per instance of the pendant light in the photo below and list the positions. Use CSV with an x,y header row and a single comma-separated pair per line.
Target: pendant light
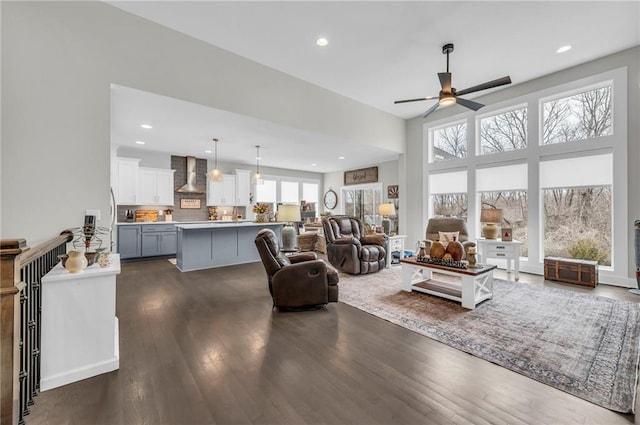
x,y
258,176
215,175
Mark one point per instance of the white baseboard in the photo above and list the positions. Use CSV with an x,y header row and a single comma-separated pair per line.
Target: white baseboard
x,y
78,374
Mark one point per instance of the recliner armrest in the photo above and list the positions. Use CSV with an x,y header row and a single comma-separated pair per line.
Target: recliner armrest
x,y
302,256
347,241
379,239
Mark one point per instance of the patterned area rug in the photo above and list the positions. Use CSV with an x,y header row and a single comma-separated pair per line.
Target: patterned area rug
x,y
582,344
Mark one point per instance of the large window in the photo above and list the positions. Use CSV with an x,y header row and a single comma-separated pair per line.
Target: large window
x,y
449,142
581,116
289,192
448,194
277,190
505,188
502,132
577,207
561,181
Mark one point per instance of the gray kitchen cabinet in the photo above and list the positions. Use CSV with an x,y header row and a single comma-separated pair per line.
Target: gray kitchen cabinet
x,y
129,243
146,240
158,239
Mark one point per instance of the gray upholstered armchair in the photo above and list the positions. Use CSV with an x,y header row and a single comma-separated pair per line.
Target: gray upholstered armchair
x,y
351,250
449,225
296,281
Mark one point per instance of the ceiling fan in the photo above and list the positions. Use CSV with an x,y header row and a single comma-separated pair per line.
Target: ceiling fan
x,y
449,95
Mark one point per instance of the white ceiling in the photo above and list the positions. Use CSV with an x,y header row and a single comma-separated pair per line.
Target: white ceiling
x,y
383,51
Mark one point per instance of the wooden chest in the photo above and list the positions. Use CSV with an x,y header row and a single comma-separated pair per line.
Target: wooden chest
x,y
569,270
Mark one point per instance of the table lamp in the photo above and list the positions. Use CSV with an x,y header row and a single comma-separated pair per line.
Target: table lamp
x,y
385,211
288,214
490,217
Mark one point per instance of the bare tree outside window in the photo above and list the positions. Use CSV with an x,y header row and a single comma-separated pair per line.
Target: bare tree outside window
x,y
577,223
450,205
515,213
450,143
503,132
578,117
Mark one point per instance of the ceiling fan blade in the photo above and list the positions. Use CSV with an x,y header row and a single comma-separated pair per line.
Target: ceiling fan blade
x,y
415,100
469,103
488,85
445,81
430,110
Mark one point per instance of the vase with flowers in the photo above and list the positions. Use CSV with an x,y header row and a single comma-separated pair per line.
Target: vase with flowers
x,y
261,209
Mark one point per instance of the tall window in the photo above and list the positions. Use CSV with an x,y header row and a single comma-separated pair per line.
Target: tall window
x,y
505,188
310,192
449,142
577,207
289,192
581,116
448,194
266,193
502,132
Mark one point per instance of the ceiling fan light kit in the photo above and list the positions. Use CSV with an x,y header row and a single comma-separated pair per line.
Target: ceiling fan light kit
x,y
449,95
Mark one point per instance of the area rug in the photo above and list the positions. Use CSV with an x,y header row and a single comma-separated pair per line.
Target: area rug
x,y
579,343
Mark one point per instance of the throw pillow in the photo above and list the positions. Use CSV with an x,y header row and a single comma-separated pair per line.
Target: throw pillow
x,y
446,237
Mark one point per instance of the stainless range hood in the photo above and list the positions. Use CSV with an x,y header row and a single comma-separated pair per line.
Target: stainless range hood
x,y
191,186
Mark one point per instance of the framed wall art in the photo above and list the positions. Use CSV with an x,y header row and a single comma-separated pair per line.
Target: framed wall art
x,y
362,175
392,191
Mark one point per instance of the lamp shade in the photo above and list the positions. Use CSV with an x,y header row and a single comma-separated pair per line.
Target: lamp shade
x,y
491,215
386,209
288,213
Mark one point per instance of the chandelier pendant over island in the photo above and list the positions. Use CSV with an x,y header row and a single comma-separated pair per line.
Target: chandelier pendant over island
x,y
215,175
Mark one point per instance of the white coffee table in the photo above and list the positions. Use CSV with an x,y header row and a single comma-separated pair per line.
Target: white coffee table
x,y
473,285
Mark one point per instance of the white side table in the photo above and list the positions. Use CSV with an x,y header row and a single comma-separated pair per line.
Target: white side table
x,y
396,244
495,248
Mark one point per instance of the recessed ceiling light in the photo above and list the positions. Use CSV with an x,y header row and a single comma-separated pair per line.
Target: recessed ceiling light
x,y
145,126
139,142
564,49
322,41
341,157
313,165
207,151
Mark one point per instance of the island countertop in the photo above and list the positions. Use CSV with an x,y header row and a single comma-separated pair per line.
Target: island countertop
x,y
220,224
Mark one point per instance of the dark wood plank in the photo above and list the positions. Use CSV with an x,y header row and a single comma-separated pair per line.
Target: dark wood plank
x,y
206,347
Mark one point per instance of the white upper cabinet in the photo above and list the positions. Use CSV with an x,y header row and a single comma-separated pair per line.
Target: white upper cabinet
x,y
126,187
155,186
243,186
222,193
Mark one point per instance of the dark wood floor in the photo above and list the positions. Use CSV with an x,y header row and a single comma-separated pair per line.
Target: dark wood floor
x,y
206,348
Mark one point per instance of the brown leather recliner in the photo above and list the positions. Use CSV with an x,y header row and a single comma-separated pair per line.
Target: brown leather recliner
x,y
350,249
449,224
296,281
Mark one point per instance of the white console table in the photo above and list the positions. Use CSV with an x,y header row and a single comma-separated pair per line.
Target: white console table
x,y
495,248
79,324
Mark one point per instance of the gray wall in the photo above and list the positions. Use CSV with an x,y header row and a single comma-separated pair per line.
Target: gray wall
x,y
629,58
58,61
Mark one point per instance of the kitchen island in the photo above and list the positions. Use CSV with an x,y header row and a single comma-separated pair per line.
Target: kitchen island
x,y
218,244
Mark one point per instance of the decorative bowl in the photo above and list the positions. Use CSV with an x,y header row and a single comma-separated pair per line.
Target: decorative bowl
x,y
92,257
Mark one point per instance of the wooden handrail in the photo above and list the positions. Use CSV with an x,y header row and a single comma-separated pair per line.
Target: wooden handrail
x,y
44,247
